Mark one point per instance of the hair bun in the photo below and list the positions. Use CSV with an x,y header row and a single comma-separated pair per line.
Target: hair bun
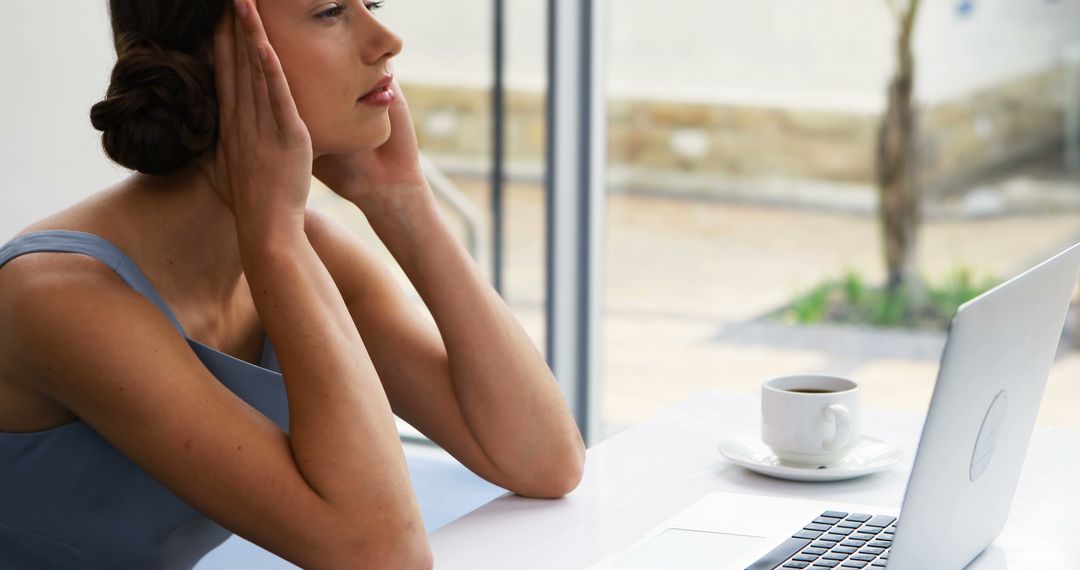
x,y
160,111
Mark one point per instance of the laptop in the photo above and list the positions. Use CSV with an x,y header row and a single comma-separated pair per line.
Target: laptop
x,y
997,357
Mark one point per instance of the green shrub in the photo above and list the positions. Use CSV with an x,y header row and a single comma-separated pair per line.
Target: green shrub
x,y
812,307
850,300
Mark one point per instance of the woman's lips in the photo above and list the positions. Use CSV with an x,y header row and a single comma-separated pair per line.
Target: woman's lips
x,y
381,93
381,97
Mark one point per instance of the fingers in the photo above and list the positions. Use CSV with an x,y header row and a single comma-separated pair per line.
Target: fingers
x,y
254,39
223,68
271,101
402,132
245,96
282,105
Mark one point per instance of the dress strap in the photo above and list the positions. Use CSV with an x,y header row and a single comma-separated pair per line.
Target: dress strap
x,y
94,246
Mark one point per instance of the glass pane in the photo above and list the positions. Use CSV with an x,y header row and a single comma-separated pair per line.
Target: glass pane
x,y
743,144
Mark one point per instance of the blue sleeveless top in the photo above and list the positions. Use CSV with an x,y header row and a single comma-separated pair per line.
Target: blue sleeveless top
x,y
70,500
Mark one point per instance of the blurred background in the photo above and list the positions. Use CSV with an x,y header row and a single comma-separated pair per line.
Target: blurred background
x,y
790,185
744,232
749,148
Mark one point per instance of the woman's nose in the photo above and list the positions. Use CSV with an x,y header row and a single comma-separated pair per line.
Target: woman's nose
x,y
380,43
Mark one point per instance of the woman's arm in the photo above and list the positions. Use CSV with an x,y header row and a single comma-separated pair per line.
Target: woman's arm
x,y
507,395
341,428
341,433
497,403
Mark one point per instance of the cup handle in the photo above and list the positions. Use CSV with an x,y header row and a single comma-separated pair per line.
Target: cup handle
x,y
842,417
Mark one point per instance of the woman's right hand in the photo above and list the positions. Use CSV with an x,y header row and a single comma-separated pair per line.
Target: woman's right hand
x,y
264,153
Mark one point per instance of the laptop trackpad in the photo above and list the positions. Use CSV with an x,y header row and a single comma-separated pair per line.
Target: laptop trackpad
x,y
683,549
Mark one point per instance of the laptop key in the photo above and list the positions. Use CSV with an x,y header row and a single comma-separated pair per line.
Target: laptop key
x,y
871,550
813,551
833,536
818,527
854,564
849,524
841,530
804,558
809,534
796,565
834,514
785,550
844,549
826,564
860,517
826,520
855,543
825,545
869,529
864,557
878,563
862,536
881,520
880,544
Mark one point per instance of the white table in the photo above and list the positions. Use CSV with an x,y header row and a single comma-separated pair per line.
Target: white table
x,y
643,475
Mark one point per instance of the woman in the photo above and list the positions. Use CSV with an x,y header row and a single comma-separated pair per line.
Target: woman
x,y
126,445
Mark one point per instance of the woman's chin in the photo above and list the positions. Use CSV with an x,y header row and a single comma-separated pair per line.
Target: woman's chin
x,y
386,129
375,134
354,144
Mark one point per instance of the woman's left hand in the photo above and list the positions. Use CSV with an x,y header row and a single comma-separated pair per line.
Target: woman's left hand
x,y
371,175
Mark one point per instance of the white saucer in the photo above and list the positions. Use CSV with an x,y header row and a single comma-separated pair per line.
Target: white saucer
x,y
869,456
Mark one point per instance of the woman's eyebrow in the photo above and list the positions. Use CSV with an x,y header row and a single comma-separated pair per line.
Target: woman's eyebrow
x,y
307,5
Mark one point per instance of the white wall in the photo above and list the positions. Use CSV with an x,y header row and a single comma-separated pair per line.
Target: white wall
x,y
55,62
1001,39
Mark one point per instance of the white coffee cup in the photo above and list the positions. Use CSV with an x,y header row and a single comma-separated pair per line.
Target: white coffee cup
x,y
810,419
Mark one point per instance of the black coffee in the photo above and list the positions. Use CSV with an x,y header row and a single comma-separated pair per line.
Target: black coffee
x,y
810,391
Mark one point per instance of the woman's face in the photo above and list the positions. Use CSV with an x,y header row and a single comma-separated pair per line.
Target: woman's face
x,y
333,52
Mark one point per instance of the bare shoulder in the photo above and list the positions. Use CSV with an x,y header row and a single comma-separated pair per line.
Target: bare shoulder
x,y
37,276
100,213
44,279
24,407
34,273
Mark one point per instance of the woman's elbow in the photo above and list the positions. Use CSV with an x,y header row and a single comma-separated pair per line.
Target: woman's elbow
x,y
567,482
558,478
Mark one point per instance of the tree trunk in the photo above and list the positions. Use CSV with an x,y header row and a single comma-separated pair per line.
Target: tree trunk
x,y
898,185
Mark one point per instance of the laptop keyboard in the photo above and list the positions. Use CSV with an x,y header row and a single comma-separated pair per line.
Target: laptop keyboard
x,y
835,540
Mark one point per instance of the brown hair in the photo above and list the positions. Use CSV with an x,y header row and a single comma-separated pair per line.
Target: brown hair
x,y
160,111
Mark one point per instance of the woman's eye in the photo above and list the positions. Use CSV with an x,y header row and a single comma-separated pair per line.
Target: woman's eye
x,y
332,13
338,11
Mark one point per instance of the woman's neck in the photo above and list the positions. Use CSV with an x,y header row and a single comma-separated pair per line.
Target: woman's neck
x,y
188,232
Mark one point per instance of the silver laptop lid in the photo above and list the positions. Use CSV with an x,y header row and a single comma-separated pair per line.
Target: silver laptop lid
x,y
997,358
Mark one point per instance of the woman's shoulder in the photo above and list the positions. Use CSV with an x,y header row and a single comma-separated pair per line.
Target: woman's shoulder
x,y
95,214
27,283
47,273
88,216
98,215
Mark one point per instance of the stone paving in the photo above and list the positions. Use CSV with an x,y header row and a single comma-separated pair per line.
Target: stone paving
x,y
686,283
